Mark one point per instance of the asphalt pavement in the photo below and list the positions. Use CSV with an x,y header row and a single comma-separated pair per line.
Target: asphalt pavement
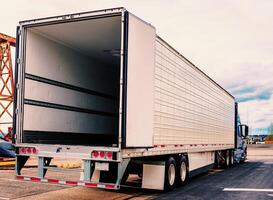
x,y
250,180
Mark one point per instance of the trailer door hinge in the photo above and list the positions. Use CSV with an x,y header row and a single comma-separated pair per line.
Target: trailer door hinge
x,y
19,32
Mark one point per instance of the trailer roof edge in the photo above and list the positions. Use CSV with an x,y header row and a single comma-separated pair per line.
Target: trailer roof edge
x,y
113,10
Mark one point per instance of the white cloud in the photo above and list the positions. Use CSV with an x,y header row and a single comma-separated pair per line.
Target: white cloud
x,y
252,84
257,113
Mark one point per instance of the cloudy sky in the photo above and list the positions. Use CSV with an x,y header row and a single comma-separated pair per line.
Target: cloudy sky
x,y
230,40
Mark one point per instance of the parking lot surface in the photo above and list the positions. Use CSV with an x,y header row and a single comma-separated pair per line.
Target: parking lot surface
x,y
250,180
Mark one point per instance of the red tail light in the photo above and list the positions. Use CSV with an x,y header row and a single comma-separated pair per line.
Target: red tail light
x,y
23,150
95,154
102,154
109,155
34,150
28,150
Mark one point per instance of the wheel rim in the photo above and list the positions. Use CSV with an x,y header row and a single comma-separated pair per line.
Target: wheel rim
x,y
171,174
183,171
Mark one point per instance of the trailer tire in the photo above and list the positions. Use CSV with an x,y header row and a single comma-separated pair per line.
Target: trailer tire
x,y
170,174
223,159
231,157
183,171
227,159
217,160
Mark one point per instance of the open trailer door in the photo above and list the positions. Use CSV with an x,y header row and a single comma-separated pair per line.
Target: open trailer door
x,y
71,81
140,40
71,78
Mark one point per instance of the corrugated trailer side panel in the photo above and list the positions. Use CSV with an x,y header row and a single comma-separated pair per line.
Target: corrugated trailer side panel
x,y
189,107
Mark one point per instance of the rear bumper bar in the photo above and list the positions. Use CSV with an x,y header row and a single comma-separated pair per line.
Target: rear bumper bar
x,y
75,183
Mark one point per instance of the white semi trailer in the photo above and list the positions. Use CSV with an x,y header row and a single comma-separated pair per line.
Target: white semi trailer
x,y
104,88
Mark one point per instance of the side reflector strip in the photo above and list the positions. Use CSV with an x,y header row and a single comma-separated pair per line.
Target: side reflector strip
x,y
35,179
52,181
110,186
71,182
91,184
87,184
20,177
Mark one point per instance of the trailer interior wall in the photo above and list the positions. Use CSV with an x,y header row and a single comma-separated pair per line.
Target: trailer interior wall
x,y
189,107
72,74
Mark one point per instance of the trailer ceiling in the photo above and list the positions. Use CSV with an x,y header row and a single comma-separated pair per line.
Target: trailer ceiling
x,y
97,37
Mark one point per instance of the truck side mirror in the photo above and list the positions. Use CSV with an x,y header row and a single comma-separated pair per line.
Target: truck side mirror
x,y
244,130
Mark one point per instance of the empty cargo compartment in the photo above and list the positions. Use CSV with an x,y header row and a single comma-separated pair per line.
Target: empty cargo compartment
x,y
72,81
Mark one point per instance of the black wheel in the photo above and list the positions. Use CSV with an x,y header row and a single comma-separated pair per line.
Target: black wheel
x,y
223,159
217,160
231,158
170,174
183,171
227,159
